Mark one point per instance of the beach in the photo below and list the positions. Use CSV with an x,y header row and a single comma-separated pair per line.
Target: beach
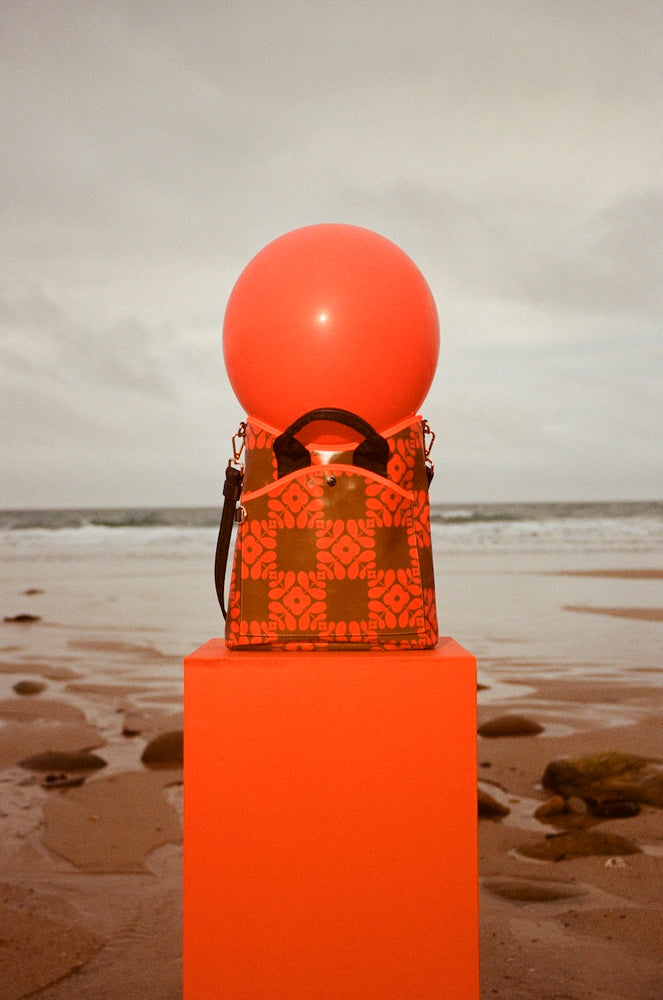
x,y
564,616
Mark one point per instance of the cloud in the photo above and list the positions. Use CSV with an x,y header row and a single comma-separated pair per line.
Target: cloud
x,y
610,262
151,151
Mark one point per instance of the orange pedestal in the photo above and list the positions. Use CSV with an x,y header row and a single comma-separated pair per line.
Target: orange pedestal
x,y
330,825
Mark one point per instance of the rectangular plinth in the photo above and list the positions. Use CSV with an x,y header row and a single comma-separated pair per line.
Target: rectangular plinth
x,y
330,825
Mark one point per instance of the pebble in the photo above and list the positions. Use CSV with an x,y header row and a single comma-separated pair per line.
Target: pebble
x,y
551,807
166,750
510,725
59,761
490,808
615,863
29,687
614,809
578,844
576,806
62,781
526,891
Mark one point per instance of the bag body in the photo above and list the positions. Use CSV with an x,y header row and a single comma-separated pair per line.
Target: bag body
x,y
333,546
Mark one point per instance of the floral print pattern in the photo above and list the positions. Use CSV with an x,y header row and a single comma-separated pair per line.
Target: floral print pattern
x,y
346,548
258,551
299,506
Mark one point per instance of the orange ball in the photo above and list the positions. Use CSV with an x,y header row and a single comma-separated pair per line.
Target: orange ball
x,y
331,315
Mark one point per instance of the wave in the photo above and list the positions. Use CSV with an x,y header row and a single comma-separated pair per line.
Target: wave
x,y
180,532
188,532
54,519
456,516
544,511
58,519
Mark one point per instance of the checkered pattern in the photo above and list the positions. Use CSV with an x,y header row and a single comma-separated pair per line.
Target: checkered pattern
x,y
334,556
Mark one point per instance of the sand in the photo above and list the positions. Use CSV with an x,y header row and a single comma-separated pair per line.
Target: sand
x,y
90,900
603,938
90,895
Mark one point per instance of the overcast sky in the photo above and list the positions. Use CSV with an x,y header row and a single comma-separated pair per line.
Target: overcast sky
x,y
151,147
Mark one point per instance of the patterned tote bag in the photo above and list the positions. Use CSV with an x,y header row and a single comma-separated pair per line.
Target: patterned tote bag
x,y
333,548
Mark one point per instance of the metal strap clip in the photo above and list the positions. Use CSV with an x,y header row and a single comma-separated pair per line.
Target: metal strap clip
x,y
428,447
238,445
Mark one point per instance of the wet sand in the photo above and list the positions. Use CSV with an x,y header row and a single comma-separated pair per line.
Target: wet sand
x,y
90,890
90,905
638,614
586,927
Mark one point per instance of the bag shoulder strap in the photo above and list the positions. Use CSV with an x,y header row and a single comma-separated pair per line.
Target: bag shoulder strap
x,y
232,491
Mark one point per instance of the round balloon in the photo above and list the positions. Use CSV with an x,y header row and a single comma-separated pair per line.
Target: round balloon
x,y
331,315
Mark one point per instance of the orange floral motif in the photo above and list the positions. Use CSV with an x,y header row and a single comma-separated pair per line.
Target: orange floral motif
x,y
397,468
242,632
430,610
422,518
395,599
297,601
346,548
298,505
254,633
305,646
258,550
414,642
356,632
257,438
386,506
403,458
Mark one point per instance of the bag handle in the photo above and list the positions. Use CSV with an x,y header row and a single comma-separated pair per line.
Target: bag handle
x,y
371,454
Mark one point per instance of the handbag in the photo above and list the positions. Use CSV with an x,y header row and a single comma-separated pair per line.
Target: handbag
x,y
333,543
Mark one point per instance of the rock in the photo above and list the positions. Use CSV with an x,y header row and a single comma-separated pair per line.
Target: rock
x,y
490,808
61,761
614,809
510,725
601,777
62,781
551,807
166,750
134,723
33,591
527,891
576,806
29,687
22,619
578,844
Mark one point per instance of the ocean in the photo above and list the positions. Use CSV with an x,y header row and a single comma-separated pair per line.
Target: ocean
x,y
624,525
